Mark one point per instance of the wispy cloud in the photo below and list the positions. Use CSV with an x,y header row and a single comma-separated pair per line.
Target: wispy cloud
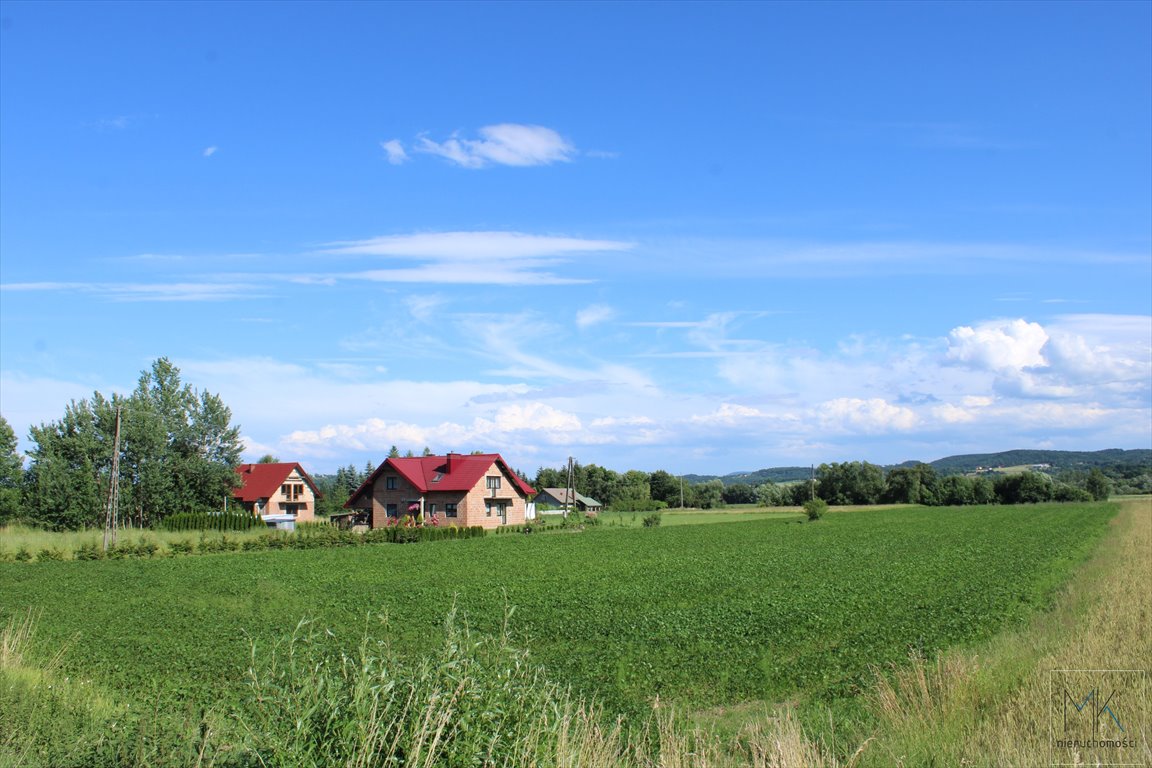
x,y
395,152
209,151
509,144
185,291
744,258
477,258
594,315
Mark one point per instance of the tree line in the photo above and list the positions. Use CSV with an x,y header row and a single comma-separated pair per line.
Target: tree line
x,y
178,453
179,450
856,482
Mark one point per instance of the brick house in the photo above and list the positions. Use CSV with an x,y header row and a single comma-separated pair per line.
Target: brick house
x,y
458,489
282,489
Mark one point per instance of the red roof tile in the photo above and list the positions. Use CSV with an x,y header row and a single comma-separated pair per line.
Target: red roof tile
x,y
260,481
454,472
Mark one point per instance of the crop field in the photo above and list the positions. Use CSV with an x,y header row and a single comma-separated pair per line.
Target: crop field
x,y
701,615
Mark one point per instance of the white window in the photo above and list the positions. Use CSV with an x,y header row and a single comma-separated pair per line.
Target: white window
x,y
493,483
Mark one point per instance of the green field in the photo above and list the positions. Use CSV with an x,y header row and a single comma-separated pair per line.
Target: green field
x,y
704,615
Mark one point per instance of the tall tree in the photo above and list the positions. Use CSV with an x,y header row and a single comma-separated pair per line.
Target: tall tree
x,y
853,482
11,473
178,452
665,487
70,460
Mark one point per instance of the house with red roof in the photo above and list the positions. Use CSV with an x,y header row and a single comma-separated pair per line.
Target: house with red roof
x,y
455,489
281,490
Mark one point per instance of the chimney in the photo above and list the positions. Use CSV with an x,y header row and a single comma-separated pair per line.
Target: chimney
x,y
448,463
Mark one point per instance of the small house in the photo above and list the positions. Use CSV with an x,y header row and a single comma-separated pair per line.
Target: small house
x,y
557,498
282,494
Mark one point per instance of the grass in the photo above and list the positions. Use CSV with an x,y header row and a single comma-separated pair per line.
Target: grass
x,y
40,544
729,514
993,705
964,706
703,615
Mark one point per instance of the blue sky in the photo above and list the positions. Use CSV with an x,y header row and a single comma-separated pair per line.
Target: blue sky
x,y
695,237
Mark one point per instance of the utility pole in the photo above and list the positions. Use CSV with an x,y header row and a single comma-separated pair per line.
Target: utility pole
x,y
569,490
112,513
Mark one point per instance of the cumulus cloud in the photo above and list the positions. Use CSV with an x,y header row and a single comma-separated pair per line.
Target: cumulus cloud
x,y
998,345
1075,356
871,415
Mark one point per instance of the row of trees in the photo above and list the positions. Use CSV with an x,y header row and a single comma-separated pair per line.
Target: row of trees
x,y
856,482
178,452
859,482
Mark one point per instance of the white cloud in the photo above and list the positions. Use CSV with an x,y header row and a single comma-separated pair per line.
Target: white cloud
x,y
209,151
594,315
870,416
395,151
504,144
476,258
998,345
482,245
148,291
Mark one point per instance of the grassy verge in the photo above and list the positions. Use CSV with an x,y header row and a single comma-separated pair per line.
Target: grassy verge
x,y
18,542
1001,704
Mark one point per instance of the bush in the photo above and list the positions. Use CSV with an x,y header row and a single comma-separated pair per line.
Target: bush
x,y
652,520
815,508
52,554
211,521
91,551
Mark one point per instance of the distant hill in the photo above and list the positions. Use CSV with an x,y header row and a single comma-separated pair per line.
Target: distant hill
x,y
758,477
953,465
1056,459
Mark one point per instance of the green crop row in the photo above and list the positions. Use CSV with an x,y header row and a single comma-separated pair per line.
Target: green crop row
x,y
706,615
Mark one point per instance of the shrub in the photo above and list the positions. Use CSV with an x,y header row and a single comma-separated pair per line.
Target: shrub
x,y
211,521
91,551
182,547
652,520
47,554
815,508
145,548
